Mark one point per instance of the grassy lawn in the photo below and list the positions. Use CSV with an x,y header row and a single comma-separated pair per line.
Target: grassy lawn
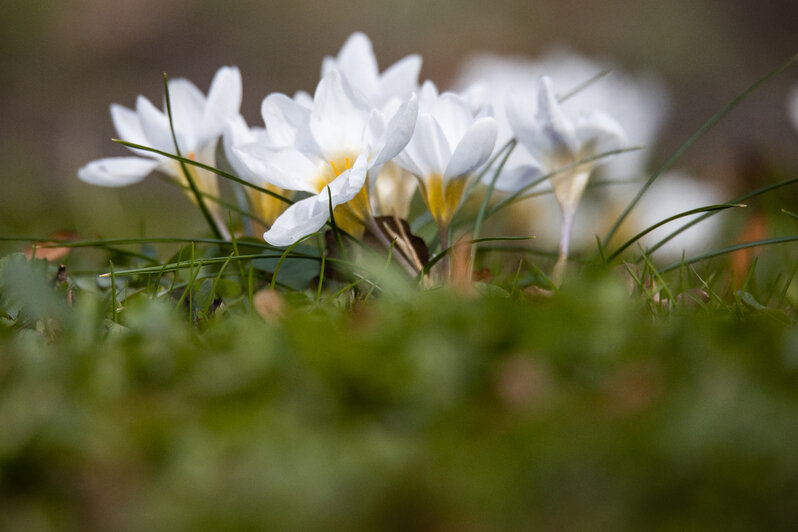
x,y
598,407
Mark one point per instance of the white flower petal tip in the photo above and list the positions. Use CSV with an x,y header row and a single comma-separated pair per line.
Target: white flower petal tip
x,y
222,105
117,171
301,219
399,131
358,65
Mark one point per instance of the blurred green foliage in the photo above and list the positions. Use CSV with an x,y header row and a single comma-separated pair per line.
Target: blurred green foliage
x,y
437,412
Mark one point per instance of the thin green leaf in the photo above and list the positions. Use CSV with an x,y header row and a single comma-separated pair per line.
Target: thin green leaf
x,y
181,265
744,245
585,84
220,173
641,234
790,214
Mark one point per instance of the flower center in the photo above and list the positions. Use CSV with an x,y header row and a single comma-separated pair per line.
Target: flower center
x,y
329,173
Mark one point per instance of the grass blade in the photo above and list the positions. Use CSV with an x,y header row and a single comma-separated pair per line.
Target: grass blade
x,y
744,245
641,234
220,173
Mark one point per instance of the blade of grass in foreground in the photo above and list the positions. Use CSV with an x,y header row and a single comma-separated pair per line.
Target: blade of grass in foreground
x,y
738,199
693,138
641,234
203,262
744,245
107,243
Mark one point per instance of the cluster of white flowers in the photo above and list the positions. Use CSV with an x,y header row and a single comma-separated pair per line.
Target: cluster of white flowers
x,y
365,140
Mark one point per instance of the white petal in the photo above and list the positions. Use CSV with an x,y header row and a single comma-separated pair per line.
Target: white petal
x,y
128,128
155,126
287,122
339,117
557,128
601,131
347,185
285,168
473,150
304,99
453,115
223,104
237,134
524,125
303,218
398,132
407,162
428,148
187,103
428,95
117,171
477,95
127,125
400,79
356,61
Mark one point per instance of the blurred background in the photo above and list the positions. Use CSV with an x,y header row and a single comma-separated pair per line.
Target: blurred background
x,y
64,62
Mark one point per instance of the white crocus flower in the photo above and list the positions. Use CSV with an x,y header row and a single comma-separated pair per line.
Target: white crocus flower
x,y
198,123
449,143
557,142
265,207
391,189
639,101
326,151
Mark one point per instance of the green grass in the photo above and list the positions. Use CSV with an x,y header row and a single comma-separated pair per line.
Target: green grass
x,y
607,405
